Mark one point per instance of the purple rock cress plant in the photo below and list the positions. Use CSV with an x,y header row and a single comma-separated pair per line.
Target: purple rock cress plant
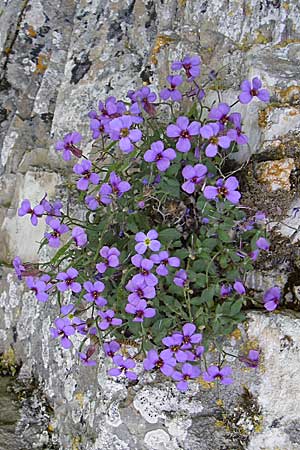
x,y
162,255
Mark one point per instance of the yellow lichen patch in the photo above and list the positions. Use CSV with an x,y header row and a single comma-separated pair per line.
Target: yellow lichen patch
x,y
248,10
219,423
50,428
80,398
205,384
219,402
161,41
285,6
75,443
7,50
261,39
8,364
182,3
286,42
290,94
276,174
263,118
31,32
236,334
42,63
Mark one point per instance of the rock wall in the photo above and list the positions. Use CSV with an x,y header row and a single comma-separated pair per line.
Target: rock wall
x,y
58,58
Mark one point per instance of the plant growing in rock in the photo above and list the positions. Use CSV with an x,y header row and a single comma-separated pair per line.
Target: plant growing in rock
x,y
162,254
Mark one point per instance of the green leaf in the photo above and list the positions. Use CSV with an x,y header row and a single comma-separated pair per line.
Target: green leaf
x,y
61,252
170,186
169,234
224,236
236,308
210,243
200,280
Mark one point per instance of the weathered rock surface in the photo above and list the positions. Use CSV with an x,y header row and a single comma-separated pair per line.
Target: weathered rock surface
x,y
57,60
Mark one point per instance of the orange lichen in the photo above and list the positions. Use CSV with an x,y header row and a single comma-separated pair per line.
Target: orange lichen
x,y
31,32
42,63
161,41
276,174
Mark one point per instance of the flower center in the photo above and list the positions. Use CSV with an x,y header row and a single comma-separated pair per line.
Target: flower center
x,y
124,132
214,140
140,292
147,241
185,134
186,339
253,92
222,191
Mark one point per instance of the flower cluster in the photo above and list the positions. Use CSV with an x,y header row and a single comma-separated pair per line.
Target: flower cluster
x,y
162,255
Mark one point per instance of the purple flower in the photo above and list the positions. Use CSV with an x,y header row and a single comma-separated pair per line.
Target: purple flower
x,y
67,281
249,91
254,255
225,189
67,146
111,348
194,176
36,212
184,131
174,343
180,278
84,169
111,258
172,92
272,298
39,287
163,362
53,209
123,366
19,268
160,156
146,97
145,241
108,319
215,373
67,309
191,65
58,229
94,202
188,336
79,236
225,290
164,260
145,276
188,372
211,132
99,126
93,292
85,357
120,131
199,351
139,290
252,359
117,187
111,108
263,243
63,329
220,113
235,134
140,310
239,288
